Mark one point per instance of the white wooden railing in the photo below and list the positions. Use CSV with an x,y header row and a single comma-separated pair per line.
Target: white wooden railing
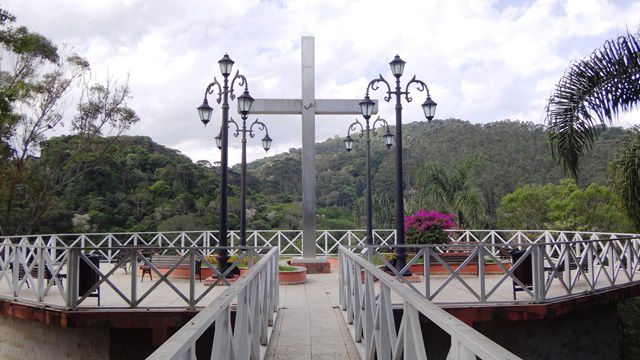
x,y
51,276
369,313
290,241
256,296
606,260
548,270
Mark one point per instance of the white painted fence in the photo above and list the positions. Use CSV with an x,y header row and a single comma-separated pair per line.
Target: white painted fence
x,y
256,296
50,276
289,241
552,270
606,260
369,313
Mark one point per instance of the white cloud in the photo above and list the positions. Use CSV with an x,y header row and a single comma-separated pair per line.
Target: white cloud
x,y
483,60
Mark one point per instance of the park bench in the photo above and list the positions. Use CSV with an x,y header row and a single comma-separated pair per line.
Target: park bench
x,y
34,273
457,257
168,262
125,254
560,267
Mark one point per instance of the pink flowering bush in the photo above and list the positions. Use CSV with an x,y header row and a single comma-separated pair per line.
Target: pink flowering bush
x,y
427,227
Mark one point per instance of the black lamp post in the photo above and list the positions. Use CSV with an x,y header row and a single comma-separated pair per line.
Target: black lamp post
x,y
225,91
244,105
348,144
429,108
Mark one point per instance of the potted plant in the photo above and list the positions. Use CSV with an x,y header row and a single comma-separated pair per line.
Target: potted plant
x,y
213,260
427,227
287,274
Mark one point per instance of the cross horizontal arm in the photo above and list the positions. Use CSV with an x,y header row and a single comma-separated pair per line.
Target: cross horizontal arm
x,y
294,106
276,106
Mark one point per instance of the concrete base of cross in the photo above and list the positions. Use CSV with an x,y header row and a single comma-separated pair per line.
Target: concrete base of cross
x,y
317,265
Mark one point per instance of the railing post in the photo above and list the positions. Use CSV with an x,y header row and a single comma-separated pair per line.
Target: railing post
x,y
590,264
134,277
548,239
481,274
276,282
109,252
192,278
566,275
341,279
427,272
40,285
72,278
537,265
54,249
612,267
629,259
15,272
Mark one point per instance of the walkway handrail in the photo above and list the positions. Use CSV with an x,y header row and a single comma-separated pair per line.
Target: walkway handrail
x,y
256,294
290,241
65,277
543,271
370,315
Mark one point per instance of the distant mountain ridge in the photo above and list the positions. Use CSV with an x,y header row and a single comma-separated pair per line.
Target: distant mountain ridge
x,y
142,186
513,153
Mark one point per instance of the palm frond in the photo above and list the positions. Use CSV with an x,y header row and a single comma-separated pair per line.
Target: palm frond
x,y
590,94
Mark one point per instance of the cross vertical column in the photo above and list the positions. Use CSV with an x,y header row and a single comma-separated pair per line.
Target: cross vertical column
x,y
308,149
308,106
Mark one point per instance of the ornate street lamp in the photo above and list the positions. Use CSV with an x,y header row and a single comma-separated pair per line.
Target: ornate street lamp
x,y
348,144
244,106
429,108
224,92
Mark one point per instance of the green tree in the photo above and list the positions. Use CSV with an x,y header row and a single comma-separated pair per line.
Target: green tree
x,y
34,95
564,206
181,223
382,207
450,189
525,208
588,97
625,171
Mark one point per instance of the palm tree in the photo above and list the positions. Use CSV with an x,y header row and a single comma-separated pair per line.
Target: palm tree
x,y
450,189
588,97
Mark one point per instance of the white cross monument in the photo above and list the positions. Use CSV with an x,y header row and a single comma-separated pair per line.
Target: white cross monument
x,y
308,107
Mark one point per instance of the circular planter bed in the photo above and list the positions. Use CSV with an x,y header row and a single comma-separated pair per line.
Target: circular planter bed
x,y
287,274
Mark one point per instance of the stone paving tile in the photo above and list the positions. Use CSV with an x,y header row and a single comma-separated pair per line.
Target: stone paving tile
x,y
310,327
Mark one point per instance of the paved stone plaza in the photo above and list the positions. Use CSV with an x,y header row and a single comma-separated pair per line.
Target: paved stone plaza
x,y
310,325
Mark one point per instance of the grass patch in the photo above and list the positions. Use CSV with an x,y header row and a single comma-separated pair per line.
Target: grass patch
x,y
287,268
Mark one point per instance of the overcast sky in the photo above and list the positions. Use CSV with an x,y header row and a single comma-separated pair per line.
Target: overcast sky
x,y
484,60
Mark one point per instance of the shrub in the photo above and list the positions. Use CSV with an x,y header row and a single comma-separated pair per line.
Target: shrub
x,y
427,227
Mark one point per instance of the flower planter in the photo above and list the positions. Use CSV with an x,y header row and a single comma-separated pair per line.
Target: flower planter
x,y
413,278
333,261
181,272
454,260
289,277
495,269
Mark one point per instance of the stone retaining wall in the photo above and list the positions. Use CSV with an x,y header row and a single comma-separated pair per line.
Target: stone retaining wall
x,y
24,339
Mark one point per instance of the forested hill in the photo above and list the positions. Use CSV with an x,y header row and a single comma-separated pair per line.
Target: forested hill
x,y
510,154
136,185
139,185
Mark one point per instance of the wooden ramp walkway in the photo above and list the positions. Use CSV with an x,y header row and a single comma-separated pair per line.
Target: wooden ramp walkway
x,y
309,325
